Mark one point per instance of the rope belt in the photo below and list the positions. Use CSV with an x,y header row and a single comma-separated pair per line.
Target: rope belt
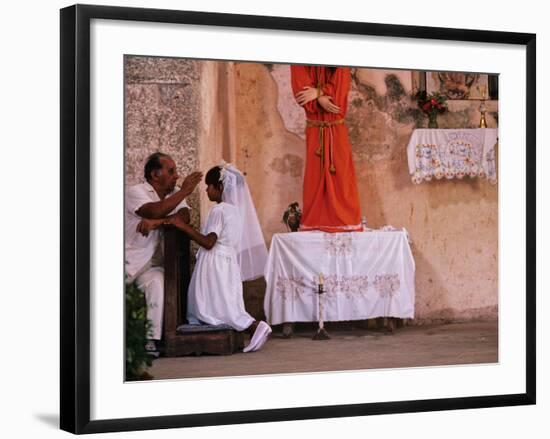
x,y
322,125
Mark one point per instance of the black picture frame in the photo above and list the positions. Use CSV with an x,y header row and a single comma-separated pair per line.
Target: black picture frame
x,y
75,217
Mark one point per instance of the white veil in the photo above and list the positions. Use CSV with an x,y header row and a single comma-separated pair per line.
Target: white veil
x,y
251,250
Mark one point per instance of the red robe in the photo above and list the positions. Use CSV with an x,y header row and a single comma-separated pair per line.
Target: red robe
x,y
330,196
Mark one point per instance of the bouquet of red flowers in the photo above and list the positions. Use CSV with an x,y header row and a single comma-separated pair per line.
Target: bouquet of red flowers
x,y
431,103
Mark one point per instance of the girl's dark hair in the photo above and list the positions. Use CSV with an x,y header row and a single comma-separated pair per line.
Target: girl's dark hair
x,y
213,176
153,164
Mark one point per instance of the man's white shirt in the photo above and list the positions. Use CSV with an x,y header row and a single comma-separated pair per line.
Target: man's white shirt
x,y
139,249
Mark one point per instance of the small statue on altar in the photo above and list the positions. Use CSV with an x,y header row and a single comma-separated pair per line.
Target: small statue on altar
x,y
292,216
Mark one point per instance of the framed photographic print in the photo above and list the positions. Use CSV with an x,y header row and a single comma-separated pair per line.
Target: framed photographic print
x,y
335,217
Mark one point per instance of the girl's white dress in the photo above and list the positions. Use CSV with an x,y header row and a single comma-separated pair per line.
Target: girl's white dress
x,y
215,294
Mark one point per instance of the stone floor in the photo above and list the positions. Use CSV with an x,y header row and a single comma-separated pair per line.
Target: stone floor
x,y
410,346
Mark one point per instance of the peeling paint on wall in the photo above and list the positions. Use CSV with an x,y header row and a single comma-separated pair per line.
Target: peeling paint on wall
x,y
449,221
159,93
453,224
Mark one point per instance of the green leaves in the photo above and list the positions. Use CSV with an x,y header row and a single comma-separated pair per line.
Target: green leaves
x,y
430,103
138,330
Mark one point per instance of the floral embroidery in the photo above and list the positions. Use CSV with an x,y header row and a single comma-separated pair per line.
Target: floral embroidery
x,y
338,244
290,286
348,286
460,153
387,285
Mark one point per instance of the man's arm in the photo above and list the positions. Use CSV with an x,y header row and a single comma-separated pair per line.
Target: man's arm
x,y
160,209
146,225
182,214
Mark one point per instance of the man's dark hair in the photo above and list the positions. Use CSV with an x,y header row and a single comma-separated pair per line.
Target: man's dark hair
x,y
153,164
213,176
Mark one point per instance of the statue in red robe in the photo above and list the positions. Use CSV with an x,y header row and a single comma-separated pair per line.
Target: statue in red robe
x,y
330,196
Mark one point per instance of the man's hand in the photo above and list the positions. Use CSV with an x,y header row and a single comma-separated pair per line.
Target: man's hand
x,y
328,105
191,182
308,94
147,225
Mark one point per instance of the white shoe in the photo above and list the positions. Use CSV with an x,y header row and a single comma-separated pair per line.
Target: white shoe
x,y
259,337
264,338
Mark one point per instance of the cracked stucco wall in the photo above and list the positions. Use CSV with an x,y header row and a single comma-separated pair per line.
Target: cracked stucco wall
x,y
184,108
453,224
202,111
159,93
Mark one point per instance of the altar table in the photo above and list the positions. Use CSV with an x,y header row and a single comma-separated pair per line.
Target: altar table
x,y
366,275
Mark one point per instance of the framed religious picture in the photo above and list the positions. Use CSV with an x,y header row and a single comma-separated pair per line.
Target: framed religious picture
x,y
352,222
455,85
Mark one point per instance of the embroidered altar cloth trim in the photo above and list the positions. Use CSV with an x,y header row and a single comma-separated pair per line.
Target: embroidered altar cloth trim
x,y
452,153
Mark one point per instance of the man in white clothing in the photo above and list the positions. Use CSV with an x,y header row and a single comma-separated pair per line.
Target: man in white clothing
x,y
147,205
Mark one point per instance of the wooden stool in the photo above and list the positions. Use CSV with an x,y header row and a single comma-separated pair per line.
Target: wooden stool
x,y
210,339
179,338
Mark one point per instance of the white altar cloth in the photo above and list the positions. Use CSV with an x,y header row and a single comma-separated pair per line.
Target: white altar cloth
x,y
366,275
452,153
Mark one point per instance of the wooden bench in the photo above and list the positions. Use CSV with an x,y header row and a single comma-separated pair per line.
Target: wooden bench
x,y
179,338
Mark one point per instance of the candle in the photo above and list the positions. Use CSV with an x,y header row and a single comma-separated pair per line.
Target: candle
x,y
321,279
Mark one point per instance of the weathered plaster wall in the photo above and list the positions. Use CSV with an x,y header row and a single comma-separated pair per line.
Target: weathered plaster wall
x,y
184,108
453,224
216,133
271,156
163,108
200,112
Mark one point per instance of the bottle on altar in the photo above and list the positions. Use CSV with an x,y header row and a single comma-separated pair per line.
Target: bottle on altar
x,y
364,223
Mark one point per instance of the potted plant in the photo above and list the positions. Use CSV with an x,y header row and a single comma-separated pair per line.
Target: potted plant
x,y
292,216
431,104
